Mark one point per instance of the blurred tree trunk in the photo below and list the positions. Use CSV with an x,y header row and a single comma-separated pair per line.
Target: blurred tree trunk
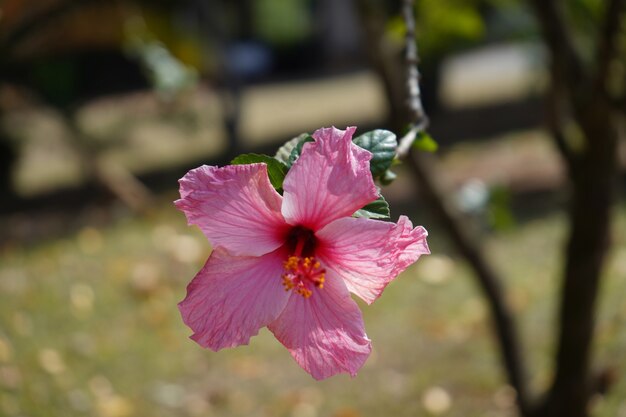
x,y
580,96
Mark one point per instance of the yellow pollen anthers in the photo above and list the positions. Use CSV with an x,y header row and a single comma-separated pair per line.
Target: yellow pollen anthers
x,y
291,264
303,274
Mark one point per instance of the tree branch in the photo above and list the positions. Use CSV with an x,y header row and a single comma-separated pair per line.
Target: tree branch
x,y
566,70
488,279
592,197
557,114
607,43
414,97
568,64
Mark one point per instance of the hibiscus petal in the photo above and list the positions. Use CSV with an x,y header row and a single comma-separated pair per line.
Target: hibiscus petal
x,y
368,254
231,298
235,206
330,180
325,332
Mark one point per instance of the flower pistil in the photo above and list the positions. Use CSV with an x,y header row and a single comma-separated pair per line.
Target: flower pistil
x,y
302,274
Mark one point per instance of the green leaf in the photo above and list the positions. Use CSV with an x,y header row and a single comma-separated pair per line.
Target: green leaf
x,y
276,170
377,209
388,177
382,144
283,153
297,150
425,142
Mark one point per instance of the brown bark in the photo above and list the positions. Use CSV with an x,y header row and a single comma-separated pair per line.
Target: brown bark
x,y
579,96
593,185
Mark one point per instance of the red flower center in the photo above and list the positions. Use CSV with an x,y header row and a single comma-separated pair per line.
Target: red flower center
x,y
303,272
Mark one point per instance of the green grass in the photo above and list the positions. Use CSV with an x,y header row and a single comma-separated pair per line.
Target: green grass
x,y
89,327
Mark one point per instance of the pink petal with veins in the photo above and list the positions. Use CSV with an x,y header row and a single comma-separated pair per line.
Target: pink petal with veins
x,y
235,206
231,298
368,254
324,333
330,180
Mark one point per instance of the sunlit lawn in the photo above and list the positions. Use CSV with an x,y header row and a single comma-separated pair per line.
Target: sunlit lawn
x,y
89,326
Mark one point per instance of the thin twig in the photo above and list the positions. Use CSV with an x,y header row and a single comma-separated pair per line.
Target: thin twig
x,y
406,142
412,59
414,98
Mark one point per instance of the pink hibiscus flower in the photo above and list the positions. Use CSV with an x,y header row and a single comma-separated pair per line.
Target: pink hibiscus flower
x,y
290,262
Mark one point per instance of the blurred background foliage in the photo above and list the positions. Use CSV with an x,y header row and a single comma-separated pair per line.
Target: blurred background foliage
x,y
105,104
